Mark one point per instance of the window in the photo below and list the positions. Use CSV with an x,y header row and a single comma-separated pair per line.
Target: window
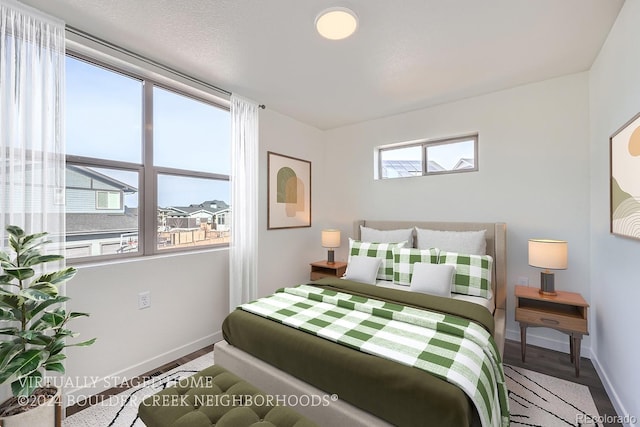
x,y
135,148
107,200
451,155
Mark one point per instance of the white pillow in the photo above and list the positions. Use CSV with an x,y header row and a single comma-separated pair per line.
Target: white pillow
x,y
386,236
434,279
363,269
464,242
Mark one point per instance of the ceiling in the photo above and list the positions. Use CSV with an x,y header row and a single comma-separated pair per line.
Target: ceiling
x,y
405,55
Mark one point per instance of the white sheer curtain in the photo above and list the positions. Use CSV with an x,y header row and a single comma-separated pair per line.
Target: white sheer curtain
x,y
32,158
243,254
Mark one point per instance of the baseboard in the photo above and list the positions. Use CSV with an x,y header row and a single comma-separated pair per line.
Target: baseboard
x,y
548,343
98,385
625,418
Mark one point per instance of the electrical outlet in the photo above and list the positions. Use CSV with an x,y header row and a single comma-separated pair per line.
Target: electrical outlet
x,y
144,300
523,280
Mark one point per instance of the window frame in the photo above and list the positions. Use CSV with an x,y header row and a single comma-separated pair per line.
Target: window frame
x,y
425,144
147,171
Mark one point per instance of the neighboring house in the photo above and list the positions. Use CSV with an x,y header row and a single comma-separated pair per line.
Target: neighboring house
x,y
214,213
97,220
89,191
464,164
402,168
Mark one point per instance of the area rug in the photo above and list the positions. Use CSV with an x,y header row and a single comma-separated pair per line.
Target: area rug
x,y
540,400
535,400
121,410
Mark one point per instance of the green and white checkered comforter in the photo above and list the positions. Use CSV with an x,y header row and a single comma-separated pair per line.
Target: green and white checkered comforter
x,y
452,348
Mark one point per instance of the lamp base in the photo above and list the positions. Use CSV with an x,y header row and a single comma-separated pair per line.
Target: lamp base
x,y
547,285
331,257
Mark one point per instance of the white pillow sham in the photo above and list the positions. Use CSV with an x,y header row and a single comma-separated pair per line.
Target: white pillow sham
x,y
363,269
433,279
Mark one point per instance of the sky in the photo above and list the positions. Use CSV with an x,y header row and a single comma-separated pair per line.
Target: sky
x,y
104,120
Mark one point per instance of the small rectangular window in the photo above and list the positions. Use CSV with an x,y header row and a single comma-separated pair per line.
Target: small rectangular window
x,y
451,155
109,200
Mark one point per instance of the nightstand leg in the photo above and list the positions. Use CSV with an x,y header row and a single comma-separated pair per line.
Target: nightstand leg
x,y
576,352
571,350
523,341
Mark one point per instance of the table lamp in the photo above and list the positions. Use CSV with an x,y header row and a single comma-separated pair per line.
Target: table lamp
x,y
331,240
550,255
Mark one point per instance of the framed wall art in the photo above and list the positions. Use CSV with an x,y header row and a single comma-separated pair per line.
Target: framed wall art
x,y
288,192
625,179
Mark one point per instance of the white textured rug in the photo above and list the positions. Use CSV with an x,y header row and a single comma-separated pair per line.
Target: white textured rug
x,y
540,400
535,400
122,410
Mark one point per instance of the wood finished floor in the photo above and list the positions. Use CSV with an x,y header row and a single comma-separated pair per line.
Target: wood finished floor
x,y
539,359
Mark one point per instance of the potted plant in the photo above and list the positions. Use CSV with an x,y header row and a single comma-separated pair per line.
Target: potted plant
x,y
33,327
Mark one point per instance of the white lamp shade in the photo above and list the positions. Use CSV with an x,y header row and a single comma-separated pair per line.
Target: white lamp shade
x,y
330,238
549,254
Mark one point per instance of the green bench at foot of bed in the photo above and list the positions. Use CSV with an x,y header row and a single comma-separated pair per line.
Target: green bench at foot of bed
x,y
216,397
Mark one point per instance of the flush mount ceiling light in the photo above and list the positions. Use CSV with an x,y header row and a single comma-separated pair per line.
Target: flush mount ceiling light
x,y
336,23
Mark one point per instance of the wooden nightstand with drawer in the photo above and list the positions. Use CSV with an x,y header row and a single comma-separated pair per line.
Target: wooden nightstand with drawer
x,y
565,312
320,269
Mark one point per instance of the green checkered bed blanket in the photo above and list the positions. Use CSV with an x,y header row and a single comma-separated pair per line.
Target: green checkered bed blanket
x,y
454,349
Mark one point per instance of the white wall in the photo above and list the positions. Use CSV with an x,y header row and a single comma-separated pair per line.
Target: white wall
x,y
534,175
615,268
285,254
189,300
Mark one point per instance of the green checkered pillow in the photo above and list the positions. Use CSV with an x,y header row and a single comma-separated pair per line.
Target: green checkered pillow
x,y
378,250
404,258
473,273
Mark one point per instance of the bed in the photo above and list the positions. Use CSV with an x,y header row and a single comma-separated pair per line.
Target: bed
x,y
372,390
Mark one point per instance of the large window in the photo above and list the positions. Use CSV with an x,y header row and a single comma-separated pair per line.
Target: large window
x,y
147,166
450,155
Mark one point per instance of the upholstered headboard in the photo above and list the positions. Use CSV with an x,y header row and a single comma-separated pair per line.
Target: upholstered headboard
x,y
496,236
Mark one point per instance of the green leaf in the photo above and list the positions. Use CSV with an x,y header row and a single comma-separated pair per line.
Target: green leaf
x,y
9,331
20,273
4,256
8,349
83,343
56,346
34,294
15,231
56,358
35,337
47,288
54,319
5,279
23,364
6,314
26,386
11,301
75,314
58,276
58,367
40,259
34,310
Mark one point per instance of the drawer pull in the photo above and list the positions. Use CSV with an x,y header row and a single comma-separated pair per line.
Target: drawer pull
x,y
550,321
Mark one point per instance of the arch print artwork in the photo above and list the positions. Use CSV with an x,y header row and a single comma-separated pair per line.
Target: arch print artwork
x,y
288,192
625,179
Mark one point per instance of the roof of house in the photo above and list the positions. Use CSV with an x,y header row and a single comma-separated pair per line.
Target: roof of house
x,y
209,206
93,174
94,223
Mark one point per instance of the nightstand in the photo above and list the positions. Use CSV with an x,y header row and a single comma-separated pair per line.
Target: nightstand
x,y
565,312
320,269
